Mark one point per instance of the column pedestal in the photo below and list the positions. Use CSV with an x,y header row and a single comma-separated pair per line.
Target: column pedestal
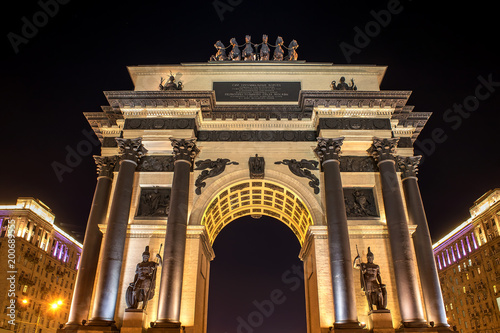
x,y
380,321
134,321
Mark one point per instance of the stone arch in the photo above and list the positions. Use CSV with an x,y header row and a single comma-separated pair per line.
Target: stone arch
x,y
236,195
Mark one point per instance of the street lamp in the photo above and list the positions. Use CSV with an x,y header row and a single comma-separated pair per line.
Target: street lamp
x,y
53,306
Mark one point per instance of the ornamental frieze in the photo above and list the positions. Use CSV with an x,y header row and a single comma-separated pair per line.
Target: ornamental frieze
x,y
257,136
354,123
160,123
357,164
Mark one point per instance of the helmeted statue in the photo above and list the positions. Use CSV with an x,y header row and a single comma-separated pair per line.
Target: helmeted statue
x,y
371,282
143,287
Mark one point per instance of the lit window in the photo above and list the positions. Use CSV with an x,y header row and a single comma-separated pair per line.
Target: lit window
x,y
495,289
458,251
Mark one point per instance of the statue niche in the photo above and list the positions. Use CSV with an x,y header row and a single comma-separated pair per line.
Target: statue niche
x,y
143,287
371,282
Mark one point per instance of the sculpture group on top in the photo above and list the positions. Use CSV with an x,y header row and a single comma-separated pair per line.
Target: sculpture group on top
x,y
262,51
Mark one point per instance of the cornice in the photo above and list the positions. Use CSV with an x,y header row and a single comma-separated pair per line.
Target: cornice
x,y
348,98
169,98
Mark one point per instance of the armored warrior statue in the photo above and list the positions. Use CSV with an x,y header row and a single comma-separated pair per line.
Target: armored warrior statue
x,y
143,287
371,282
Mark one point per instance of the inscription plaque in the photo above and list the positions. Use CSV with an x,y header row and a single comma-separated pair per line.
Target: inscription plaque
x,y
256,91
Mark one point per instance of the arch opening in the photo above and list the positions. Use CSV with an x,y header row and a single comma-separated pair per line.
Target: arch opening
x,y
256,279
257,197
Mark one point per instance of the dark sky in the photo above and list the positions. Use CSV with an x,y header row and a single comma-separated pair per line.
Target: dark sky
x,y
443,53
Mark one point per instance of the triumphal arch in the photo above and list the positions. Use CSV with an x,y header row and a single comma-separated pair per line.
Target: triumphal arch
x,y
317,146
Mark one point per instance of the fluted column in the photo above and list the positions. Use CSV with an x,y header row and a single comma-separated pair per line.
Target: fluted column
x,y
85,278
429,279
169,296
410,304
111,257
344,299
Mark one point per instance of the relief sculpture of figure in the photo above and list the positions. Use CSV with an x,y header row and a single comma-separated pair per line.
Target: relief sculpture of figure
x,y
371,282
143,287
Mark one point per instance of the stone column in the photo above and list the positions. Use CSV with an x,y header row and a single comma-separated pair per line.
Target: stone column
x,y
169,299
131,150
429,279
328,151
410,304
85,278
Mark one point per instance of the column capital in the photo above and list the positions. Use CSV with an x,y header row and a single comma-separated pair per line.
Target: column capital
x,y
383,149
184,149
131,149
105,165
408,165
328,149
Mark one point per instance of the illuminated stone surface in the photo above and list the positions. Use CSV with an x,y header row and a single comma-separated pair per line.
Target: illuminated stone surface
x,y
274,129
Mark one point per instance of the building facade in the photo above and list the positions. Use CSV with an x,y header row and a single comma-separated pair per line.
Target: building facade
x,y
40,263
316,146
468,259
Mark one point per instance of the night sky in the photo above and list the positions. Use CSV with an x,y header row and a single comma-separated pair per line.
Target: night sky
x,y
443,53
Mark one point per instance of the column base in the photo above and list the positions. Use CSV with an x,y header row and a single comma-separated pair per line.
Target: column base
x,y
134,321
89,329
354,327
166,327
380,321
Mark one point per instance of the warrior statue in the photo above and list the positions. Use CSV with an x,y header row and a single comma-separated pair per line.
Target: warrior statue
x,y
371,282
143,287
